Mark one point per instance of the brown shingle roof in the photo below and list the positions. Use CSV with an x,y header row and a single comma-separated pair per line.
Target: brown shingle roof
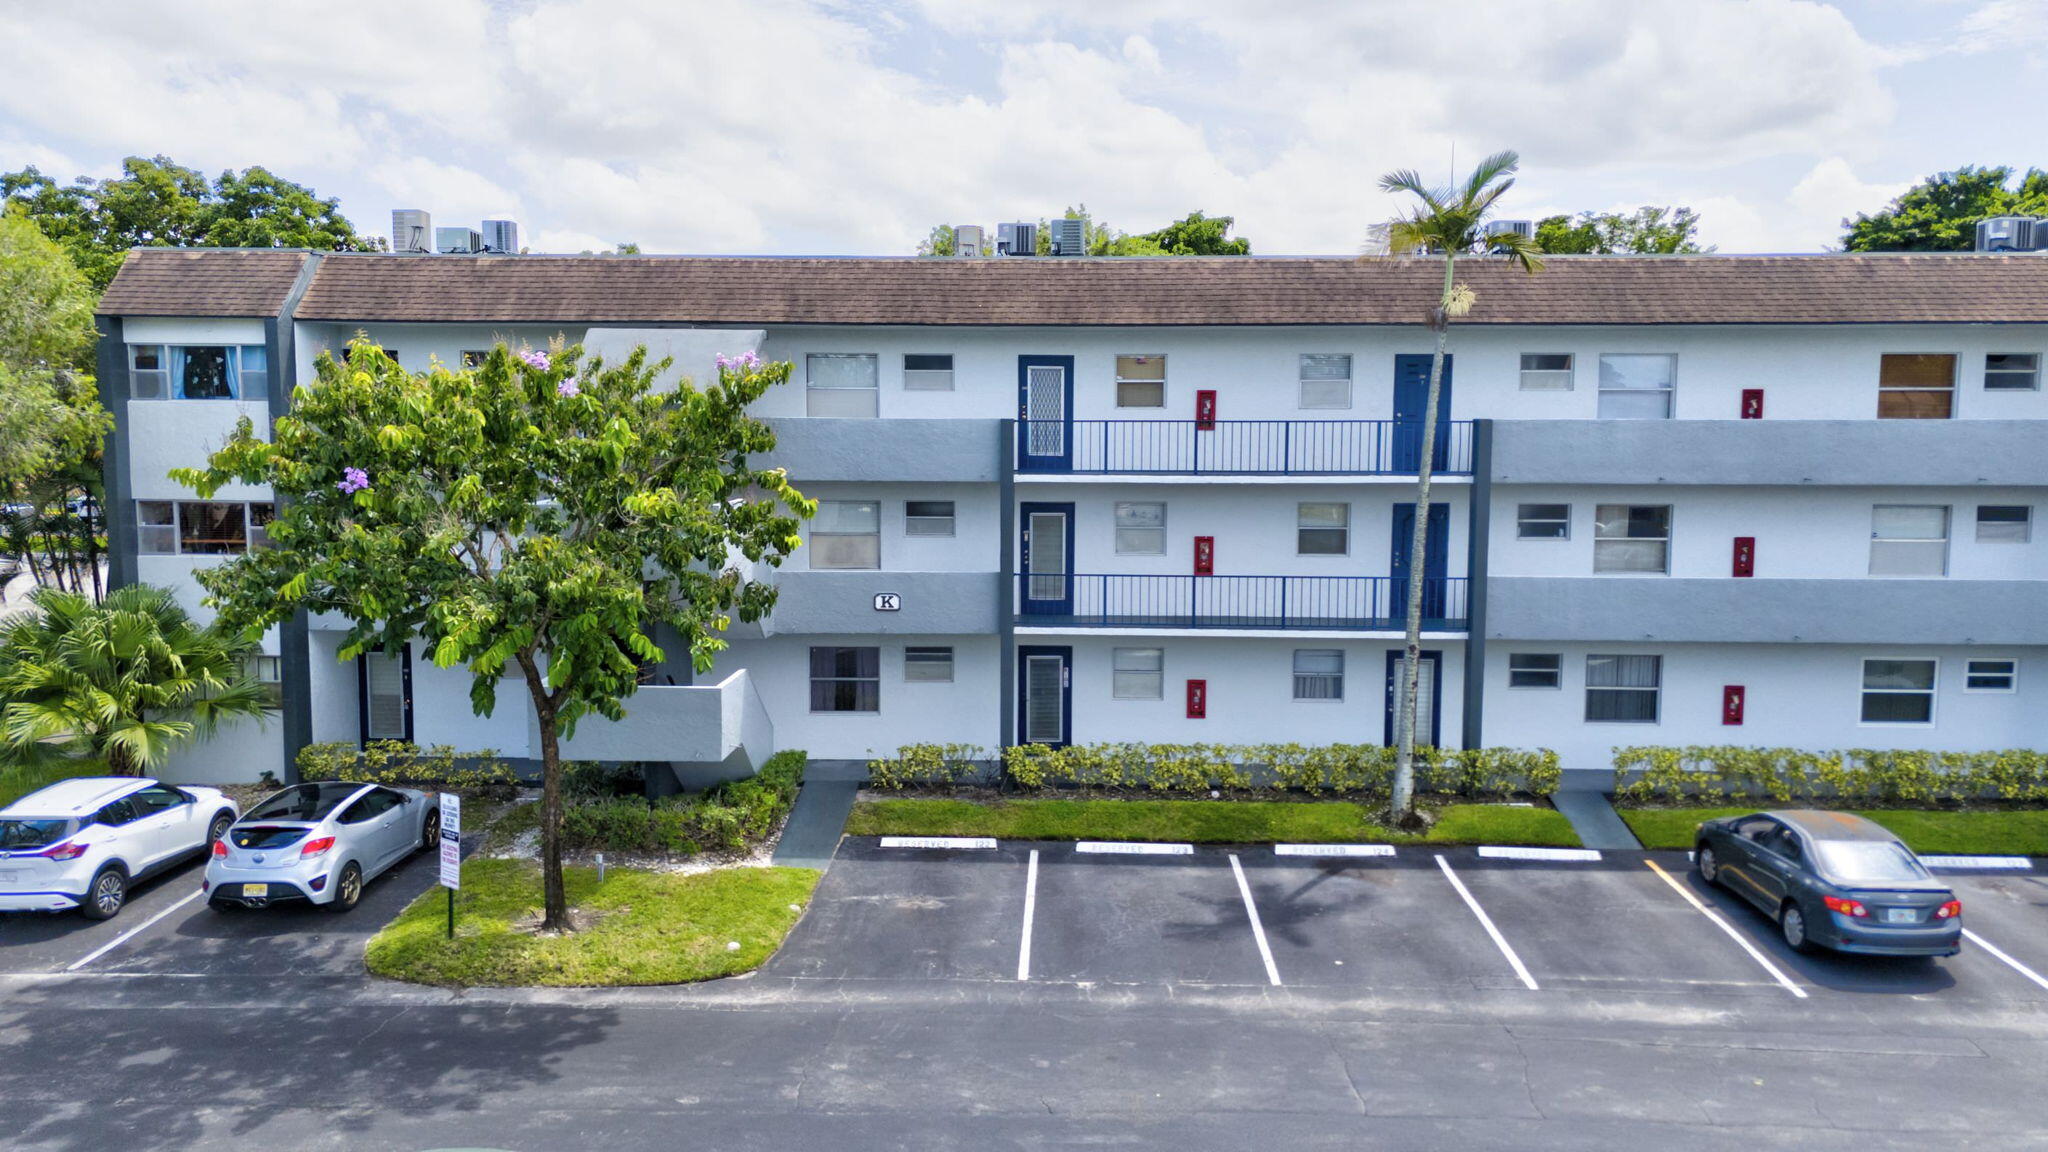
x,y
1820,289
202,282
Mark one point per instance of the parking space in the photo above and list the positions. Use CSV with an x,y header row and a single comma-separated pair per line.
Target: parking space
x,y
1637,924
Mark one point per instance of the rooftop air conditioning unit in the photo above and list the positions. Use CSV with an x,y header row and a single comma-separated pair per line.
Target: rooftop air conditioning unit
x,y
501,236
1526,229
1019,239
458,241
967,240
1070,236
2008,234
412,230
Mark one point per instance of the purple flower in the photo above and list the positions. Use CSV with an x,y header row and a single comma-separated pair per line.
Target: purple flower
x,y
743,360
535,359
352,480
567,388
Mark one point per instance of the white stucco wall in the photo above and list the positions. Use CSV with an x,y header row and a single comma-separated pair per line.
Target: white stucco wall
x,y
973,546
965,711
237,753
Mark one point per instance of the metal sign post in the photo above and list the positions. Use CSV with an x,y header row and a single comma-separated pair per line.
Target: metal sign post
x,y
451,851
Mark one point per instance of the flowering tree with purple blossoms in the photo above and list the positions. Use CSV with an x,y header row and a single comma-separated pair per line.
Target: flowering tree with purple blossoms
x,y
541,511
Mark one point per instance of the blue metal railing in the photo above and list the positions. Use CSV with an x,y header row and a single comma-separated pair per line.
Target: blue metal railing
x,y
1356,603
1242,447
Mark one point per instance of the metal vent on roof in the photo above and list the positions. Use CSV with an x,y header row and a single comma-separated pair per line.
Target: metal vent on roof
x,y
1019,239
967,240
1069,236
412,230
2011,234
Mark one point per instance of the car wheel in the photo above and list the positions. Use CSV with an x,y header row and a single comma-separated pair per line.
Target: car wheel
x,y
1792,923
430,833
219,828
106,895
348,888
1709,866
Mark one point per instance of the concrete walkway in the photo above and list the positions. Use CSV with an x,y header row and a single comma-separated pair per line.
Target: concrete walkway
x,y
1582,797
815,824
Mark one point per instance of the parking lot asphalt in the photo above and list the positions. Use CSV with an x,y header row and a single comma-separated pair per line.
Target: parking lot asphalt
x,y
1638,923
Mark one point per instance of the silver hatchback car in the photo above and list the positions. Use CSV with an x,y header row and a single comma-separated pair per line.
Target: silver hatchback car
x,y
319,843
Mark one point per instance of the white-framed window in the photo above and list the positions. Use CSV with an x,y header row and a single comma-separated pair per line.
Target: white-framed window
x,y
1141,381
198,371
200,527
1916,386
1140,528
1319,674
1991,676
1535,670
1909,540
928,518
847,534
928,372
1325,380
841,384
1898,691
1546,371
1543,522
268,672
1637,385
1623,689
1322,529
2004,523
927,665
1632,538
846,679
2012,371
1137,673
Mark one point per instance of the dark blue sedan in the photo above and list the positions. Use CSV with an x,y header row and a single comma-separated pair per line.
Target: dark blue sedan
x,y
1832,880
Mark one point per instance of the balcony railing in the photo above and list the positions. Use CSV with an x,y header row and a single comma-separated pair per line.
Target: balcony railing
x,y
1351,603
1241,447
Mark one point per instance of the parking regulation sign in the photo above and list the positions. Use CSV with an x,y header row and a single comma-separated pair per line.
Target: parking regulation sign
x,y
451,840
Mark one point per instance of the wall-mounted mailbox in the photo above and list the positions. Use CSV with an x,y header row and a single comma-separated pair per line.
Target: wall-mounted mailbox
x,y
1744,559
1205,555
1205,410
1198,699
1731,704
1752,403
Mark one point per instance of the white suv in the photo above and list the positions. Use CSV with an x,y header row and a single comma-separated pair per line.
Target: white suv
x,y
80,843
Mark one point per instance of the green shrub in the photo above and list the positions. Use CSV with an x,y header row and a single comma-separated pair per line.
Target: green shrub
x,y
1711,774
395,762
732,817
1361,770
927,764
598,780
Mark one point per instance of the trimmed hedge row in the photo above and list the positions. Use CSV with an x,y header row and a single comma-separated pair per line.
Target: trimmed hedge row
x,y
404,765
729,818
1721,772
1348,769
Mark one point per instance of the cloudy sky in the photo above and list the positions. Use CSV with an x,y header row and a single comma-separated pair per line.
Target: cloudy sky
x,y
834,126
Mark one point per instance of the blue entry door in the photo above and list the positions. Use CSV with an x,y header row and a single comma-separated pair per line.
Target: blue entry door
x,y
1045,413
1435,562
1411,404
1046,548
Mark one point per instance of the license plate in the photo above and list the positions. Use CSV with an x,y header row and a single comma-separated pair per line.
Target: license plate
x,y
255,889
1901,916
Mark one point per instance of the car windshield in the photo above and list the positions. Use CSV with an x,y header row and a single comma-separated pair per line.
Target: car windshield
x,y
1868,861
308,802
33,832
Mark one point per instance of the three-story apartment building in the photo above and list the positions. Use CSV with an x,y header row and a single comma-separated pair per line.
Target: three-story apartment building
x,y
1771,500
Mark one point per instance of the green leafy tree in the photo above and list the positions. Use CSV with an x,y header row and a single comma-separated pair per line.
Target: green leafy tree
x,y
1648,231
51,423
156,203
1196,235
1940,213
941,241
543,511
125,681
1448,221
1199,235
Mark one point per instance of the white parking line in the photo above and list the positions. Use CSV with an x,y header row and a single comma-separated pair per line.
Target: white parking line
x,y
1333,849
2015,965
1738,937
1130,848
130,934
938,842
1486,922
1258,930
1030,910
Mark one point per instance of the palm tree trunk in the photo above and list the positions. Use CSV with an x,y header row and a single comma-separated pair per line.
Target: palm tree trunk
x,y
1418,557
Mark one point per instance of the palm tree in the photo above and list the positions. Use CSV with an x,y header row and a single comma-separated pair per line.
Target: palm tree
x,y
1450,221
125,681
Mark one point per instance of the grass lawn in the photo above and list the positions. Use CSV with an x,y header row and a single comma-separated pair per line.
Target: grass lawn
x,y
651,927
1202,822
1986,833
19,781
